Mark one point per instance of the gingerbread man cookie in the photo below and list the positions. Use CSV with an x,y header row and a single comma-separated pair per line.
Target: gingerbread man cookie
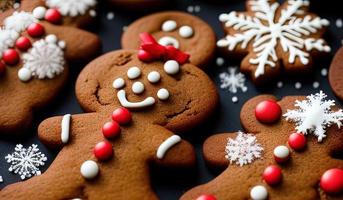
x,y
135,111
274,38
34,50
288,152
335,74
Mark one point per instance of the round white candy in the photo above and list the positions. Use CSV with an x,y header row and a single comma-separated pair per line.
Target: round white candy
x,y
89,169
169,41
259,192
163,94
171,67
281,151
51,39
154,77
138,87
62,44
24,74
186,31
169,25
118,83
133,72
39,12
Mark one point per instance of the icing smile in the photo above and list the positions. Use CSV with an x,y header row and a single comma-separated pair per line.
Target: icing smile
x,y
149,101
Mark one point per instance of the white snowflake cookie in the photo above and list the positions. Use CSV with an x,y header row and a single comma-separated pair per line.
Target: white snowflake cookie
x,y
71,8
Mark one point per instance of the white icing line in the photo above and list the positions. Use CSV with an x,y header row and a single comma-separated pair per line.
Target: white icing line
x,y
149,101
65,128
1,179
166,145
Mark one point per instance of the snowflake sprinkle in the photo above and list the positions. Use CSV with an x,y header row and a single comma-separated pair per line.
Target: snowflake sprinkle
x,y
26,162
243,149
272,27
314,115
71,8
232,80
19,21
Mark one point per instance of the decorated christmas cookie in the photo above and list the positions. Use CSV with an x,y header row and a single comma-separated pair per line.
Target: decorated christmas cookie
x,y
292,156
274,38
335,74
136,111
180,30
34,50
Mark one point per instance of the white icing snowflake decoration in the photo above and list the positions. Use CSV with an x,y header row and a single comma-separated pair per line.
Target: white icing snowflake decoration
x,y
243,149
19,21
7,39
26,162
291,32
314,115
71,8
232,80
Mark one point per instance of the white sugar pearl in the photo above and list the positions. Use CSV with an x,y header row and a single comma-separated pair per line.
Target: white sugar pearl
x,y
163,94
118,83
171,67
24,74
137,87
220,61
169,25
154,77
62,44
297,85
133,72
16,6
259,192
186,31
324,72
169,41
281,151
39,12
316,84
234,99
279,84
51,38
92,13
89,169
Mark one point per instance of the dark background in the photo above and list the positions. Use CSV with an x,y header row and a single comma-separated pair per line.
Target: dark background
x,y
171,184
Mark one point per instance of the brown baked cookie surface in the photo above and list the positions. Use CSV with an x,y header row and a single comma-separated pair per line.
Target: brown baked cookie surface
x,y
274,160
34,53
172,100
335,74
186,32
273,38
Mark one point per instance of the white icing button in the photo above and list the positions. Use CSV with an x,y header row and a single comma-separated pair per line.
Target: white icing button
x,y
169,25
154,77
171,67
39,12
186,31
281,151
65,126
118,83
51,39
89,169
24,74
259,192
163,94
133,72
92,13
169,41
62,44
138,87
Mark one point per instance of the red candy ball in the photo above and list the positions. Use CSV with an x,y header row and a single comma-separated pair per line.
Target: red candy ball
x,y
103,150
2,67
111,129
268,111
121,115
23,43
206,197
53,16
272,175
332,181
35,30
10,57
297,141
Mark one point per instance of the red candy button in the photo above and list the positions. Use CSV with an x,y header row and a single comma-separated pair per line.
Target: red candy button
x,y
53,16
332,181
297,141
111,129
206,197
103,150
268,111
2,67
35,30
10,57
121,115
23,43
272,175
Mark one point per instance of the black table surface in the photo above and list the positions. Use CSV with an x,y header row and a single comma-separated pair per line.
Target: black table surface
x,y
166,183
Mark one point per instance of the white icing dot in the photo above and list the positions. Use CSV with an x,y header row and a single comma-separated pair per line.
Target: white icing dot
x,y
92,13
281,151
169,25
220,61
324,72
16,5
39,12
339,23
279,84
110,15
169,41
297,85
118,83
133,72
197,8
62,44
186,31
171,67
137,87
259,192
154,77
163,94
316,84
234,99
89,169
24,74
51,39
190,9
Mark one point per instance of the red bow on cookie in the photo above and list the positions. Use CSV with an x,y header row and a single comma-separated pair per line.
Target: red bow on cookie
x,y
150,50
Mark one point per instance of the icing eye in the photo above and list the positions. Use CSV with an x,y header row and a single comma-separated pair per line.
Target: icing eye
x,y
154,77
133,72
169,41
171,67
169,25
118,83
186,31
137,87
163,94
